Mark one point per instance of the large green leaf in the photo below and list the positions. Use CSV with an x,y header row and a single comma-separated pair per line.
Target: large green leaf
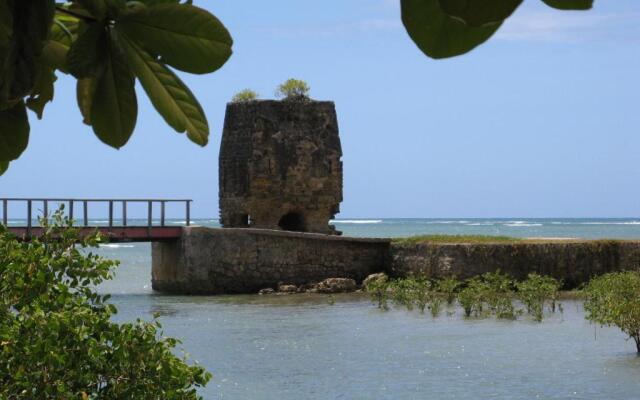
x,y
97,8
439,35
114,109
86,55
171,98
6,30
480,12
31,23
570,4
14,132
63,32
6,22
43,90
54,55
156,2
184,36
85,90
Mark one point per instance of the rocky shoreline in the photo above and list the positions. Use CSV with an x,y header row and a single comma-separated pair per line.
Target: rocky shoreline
x,y
327,286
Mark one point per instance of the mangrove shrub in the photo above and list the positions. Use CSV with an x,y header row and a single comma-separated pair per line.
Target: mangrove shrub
x,y
57,339
536,291
614,300
489,294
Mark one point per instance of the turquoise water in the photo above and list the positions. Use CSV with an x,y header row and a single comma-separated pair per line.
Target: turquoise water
x,y
595,228
303,347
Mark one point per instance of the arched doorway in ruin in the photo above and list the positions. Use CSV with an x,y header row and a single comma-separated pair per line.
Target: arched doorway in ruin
x,y
293,221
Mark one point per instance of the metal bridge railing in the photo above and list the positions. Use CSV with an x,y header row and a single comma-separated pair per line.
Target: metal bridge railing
x,y
85,208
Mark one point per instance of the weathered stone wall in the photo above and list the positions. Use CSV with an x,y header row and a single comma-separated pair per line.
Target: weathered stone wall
x,y
573,262
215,261
280,165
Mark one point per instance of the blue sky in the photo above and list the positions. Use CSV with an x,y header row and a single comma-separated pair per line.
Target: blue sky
x,y
542,121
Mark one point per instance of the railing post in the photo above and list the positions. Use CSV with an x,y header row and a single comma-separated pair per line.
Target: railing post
x,y
124,213
70,210
162,213
45,210
85,211
110,213
149,216
29,217
188,216
5,212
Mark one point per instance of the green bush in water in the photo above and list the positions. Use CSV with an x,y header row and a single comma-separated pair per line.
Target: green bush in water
x,y
449,288
378,290
499,294
536,291
404,292
490,294
472,297
614,300
409,293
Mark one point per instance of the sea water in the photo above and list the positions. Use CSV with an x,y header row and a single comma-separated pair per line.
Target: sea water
x,y
317,347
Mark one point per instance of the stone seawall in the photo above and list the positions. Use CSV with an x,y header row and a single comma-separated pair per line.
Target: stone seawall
x,y
573,262
216,261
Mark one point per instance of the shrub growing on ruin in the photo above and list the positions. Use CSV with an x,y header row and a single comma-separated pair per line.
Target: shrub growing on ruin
x,y
57,338
244,95
293,89
614,300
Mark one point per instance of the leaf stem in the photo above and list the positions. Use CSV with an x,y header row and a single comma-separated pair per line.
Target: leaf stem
x,y
75,14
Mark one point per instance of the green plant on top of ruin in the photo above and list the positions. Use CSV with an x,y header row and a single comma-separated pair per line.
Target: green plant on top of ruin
x,y
293,89
244,95
536,291
614,300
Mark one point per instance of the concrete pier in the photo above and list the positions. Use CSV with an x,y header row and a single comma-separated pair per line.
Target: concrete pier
x,y
230,260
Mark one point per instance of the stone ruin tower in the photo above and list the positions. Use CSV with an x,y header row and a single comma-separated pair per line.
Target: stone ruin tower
x,y
280,166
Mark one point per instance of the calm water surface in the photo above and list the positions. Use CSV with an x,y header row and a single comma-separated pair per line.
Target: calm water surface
x,y
302,347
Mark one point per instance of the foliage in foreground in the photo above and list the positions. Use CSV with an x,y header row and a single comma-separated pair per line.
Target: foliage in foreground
x,y
56,335
490,294
106,45
614,300
447,28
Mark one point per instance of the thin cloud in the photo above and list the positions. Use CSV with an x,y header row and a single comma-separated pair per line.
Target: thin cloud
x,y
364,26
555,26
